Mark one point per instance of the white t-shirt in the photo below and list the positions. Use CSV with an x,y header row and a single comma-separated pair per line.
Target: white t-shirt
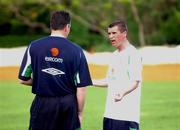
x,y
125,67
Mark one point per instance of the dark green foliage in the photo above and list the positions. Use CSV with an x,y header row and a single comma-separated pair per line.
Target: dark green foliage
x,y
84,37
160,18
9,41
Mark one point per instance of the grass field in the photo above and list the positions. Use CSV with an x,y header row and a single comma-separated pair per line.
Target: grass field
x,y
160,107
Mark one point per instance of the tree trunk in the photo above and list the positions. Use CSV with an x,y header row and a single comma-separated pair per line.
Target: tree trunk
x,y
138,21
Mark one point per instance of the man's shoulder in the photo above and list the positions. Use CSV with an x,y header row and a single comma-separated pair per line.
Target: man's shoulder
x,y
64,41
74,46
132,49
133,52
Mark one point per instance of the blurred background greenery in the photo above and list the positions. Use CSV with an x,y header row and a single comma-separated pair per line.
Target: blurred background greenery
x,y
152,22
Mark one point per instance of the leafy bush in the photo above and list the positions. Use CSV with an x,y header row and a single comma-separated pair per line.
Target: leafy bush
x,y
9,41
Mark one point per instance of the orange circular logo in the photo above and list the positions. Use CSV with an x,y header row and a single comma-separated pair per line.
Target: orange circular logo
x,y
54,51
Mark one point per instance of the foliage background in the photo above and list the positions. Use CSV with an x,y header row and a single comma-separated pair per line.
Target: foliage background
x,y
158,20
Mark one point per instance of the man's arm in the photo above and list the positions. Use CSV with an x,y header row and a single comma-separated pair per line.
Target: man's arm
x,y
25,70
81,94
28,82
119,96
100,82
135,75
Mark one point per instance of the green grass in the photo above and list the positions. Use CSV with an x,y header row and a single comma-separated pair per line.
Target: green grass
x,y
160,106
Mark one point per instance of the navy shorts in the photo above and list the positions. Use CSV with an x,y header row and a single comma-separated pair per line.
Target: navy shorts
x,y
111,124
54,113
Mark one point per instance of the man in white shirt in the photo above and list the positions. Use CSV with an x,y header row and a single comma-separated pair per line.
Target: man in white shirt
x,y
123,79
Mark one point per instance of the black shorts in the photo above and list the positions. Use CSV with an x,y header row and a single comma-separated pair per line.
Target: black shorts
x,y
111,124
54,113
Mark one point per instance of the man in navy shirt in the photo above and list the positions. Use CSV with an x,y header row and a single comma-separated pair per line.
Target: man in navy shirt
x,y
58,72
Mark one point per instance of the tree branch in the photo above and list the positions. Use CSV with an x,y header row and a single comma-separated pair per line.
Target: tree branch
x,y
87,24
26,21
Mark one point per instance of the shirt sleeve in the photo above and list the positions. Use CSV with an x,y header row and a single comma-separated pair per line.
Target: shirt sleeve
x,y
83,76
25,68
135,67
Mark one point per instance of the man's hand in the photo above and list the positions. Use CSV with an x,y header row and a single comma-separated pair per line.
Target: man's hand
x,y
28,82
118,97
100,82
80,117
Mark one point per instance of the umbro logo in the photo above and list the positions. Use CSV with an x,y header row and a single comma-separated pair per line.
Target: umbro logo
x,y
53,71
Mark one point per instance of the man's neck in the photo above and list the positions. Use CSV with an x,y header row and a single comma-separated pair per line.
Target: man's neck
x,y
58,33
123,45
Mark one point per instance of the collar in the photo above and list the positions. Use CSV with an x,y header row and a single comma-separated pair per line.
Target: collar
x,y
57,35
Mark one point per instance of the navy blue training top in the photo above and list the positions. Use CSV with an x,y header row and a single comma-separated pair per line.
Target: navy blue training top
x,y
56,65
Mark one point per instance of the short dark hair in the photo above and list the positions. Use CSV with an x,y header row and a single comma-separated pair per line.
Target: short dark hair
x,y
121,25
59,19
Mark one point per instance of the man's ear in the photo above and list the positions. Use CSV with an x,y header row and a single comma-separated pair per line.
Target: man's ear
x,y
66,28
125,33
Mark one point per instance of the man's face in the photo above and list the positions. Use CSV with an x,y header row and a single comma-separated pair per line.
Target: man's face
x,y
116,37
